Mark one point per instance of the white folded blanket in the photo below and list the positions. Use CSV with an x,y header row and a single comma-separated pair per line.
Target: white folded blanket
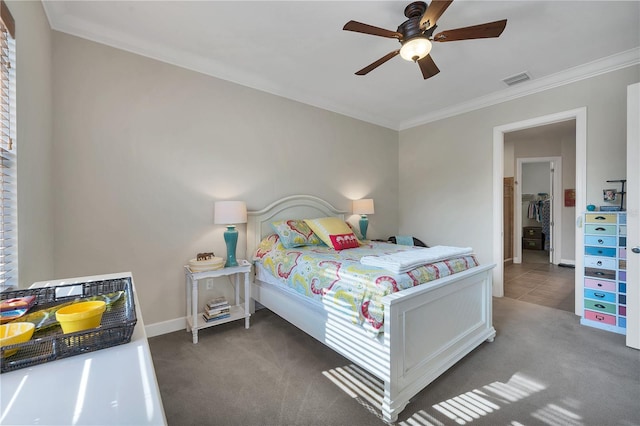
x,y
405,261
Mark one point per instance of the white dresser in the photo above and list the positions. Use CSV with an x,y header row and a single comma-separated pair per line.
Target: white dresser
x,y
116,385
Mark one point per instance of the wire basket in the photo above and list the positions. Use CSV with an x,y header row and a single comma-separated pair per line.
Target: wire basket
x,y
49,343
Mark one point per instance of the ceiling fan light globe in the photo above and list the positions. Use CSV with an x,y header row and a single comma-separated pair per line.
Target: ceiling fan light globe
x,y
415,49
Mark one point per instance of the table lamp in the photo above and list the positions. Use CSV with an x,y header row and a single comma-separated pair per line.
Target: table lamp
x,y
363,207
229,213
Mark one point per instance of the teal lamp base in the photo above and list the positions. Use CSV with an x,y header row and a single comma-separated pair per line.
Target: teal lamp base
x,y
231,238
364,224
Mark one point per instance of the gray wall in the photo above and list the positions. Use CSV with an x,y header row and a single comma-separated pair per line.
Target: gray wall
x,y
144,148
446,167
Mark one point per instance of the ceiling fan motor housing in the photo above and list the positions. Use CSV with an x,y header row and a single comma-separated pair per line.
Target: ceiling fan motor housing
x,y
411,27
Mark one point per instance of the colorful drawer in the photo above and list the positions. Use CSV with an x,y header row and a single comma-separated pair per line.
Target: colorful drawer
x,y
599,317
600,229
600,241
600,284
607,274
600,306
599,295
600,251
600,262
601,218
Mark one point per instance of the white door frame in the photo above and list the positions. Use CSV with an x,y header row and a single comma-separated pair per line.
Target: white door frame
x,y
633,216
556,163
580,116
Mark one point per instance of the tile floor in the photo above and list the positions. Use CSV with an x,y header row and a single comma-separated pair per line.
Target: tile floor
x,y
535,280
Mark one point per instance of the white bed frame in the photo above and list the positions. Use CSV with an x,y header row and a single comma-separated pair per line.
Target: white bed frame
x,y
427,329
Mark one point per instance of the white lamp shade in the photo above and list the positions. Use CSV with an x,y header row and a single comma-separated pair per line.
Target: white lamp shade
x,y
230,212
364,206
415,49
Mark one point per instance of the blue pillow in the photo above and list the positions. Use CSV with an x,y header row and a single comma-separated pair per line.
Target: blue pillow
x,y
295,233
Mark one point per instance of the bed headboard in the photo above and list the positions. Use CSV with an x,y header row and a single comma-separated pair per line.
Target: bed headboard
x,y
292,207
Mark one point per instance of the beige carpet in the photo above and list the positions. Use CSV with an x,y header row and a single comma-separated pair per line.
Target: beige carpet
x,y
542,369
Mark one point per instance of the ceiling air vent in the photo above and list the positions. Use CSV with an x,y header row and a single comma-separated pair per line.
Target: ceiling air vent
x,y
515,79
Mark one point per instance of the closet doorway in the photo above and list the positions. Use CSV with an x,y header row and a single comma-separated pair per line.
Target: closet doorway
x,y
537,222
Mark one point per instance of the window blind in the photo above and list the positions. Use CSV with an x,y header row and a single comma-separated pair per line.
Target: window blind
x,y
8,163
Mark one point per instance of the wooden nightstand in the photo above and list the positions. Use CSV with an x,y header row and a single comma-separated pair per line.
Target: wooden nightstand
x,y
195,321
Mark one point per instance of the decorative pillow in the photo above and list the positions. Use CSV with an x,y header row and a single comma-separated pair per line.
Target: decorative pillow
x,y
295,233
266,245
334,232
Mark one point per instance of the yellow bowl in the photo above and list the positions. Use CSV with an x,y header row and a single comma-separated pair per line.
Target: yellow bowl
x,y
15,332
80,316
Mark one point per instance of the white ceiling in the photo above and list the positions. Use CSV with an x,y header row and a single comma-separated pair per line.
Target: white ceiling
x,y
298,50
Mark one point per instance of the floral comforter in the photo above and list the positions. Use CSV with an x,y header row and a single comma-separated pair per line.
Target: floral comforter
x,y
340,281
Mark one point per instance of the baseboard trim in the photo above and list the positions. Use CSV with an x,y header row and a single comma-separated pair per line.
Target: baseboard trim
x,y
164,327
169,326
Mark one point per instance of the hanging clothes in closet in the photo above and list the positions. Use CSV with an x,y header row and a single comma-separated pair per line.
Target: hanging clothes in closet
x,y
535,207
534,210
540,210
545,216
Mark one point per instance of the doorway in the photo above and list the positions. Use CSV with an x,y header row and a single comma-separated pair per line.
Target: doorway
x,y
538,224
539,155
579,115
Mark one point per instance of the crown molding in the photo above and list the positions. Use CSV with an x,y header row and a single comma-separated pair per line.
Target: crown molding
x,y
59,20
591,69
66,23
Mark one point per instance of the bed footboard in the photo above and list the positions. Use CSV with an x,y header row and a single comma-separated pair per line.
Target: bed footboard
x,y
429,328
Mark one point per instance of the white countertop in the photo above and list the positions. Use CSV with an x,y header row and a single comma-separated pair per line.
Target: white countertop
x,y
116,385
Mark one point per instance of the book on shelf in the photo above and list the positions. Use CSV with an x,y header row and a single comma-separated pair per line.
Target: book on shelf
x,y
217,303
218,317
217,311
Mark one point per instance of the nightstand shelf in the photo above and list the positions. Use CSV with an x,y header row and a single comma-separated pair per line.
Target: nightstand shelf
x,y
238,310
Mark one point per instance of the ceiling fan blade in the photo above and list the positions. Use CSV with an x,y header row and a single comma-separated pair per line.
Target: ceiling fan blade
x,y
359,27
377,63
434,11
428,67
488,30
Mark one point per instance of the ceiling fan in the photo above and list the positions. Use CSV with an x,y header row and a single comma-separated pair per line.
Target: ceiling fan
x,y
416,34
